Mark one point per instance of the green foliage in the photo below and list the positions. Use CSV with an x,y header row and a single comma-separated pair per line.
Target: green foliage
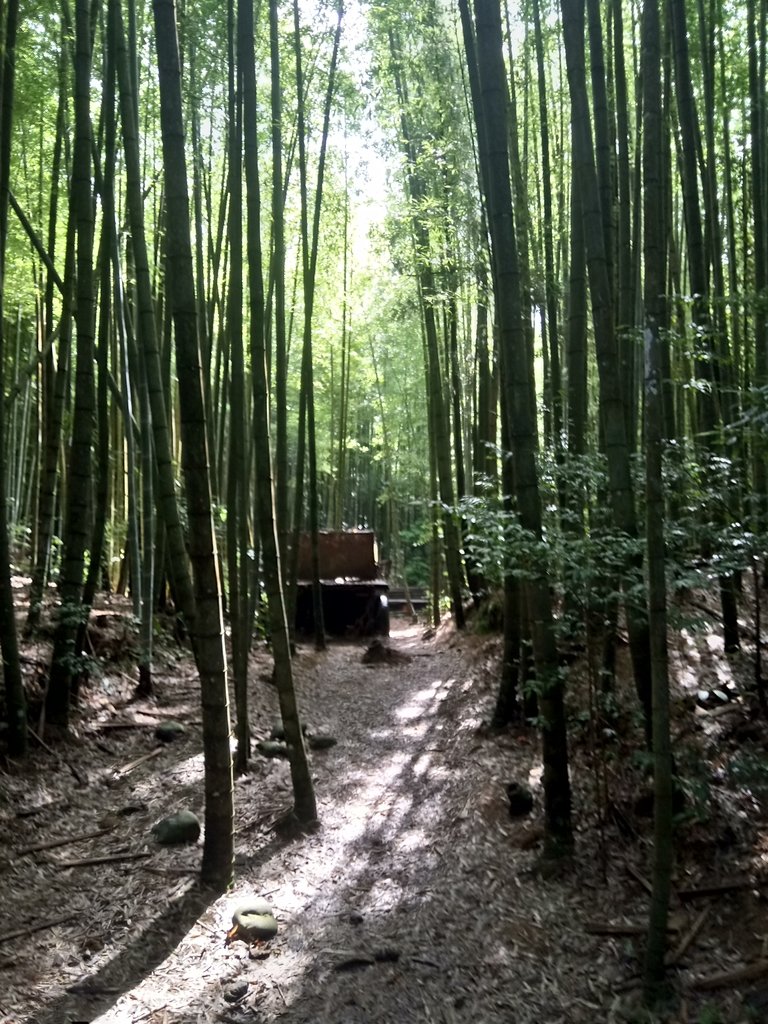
x,y
415,540
500,547
754,416
706,537
55,556
698,794
588,561
710,1015
78,664
583,555
19,537
750,770
73,615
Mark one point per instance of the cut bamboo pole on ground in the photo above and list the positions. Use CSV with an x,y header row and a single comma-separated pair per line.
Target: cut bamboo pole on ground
x,y
749,972
30,929
65,841
111,858
685,942
139,760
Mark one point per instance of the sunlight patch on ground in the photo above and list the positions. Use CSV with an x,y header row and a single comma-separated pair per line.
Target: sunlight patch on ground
x,y
421,765
403,630
160,991
160,997
420,702
357,812
380,734
413,839
411,711
385,894
187,772
700,661
690,663
417,730
714,642
424,695
399,808
535,775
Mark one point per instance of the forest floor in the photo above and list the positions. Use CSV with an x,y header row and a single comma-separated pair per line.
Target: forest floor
x,y
419,899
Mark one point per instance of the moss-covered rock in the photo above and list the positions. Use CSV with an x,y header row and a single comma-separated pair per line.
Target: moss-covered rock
x,y
277,732
520,799
169,731
272,748
253,921
182,827
321,741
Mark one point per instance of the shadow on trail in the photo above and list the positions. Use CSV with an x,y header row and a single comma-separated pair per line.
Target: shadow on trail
x,y
95,993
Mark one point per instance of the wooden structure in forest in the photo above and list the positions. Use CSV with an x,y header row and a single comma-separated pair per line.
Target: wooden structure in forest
x,y
354,595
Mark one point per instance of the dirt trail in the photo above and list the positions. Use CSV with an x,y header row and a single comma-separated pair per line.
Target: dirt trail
x,y
404,906
415,901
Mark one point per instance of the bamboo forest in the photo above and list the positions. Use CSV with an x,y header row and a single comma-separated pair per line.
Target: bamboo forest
x,y
383,511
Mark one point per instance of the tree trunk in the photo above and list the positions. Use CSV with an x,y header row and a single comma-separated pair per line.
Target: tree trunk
x,y
178,560
237,470
553,329
578,401
611,402
510,702
417,194
208,626
602,147
759,197
72,612
280,364
517,376
107,248
309,273
16,712
305,805
707,361
54,371
625,285
655,318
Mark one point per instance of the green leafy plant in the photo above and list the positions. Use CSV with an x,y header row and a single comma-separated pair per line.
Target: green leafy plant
x,y
710,1015
749,769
